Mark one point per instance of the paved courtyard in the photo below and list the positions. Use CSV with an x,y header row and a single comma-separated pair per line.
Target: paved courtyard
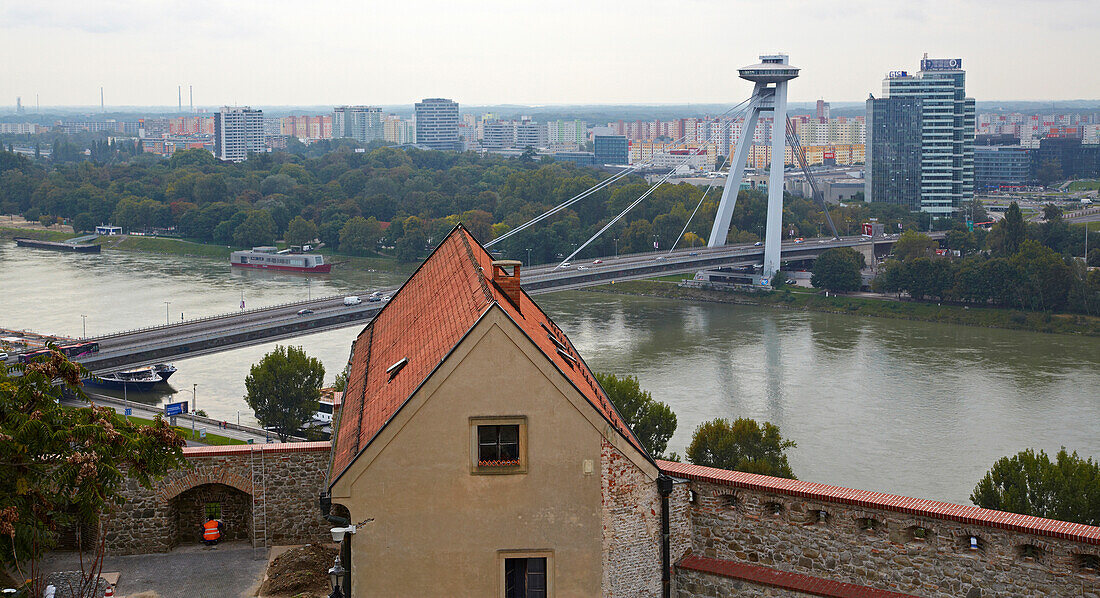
x,y
229,570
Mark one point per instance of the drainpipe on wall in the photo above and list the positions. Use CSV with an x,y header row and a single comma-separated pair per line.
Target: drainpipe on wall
x,y
664,486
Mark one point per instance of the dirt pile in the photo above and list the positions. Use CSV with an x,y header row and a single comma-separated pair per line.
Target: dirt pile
x,y
300,572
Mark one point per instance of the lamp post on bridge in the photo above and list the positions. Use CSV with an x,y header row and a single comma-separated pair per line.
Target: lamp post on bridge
x,y
84,318
616,247
166,316
528,257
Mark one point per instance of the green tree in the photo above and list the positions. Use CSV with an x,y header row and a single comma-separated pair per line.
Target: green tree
x,y
652,421
838,269
1049,172
911,245
84,222
340,384
284,389
257,229
1015,231
743,445
300,231
62,466
359,236
1028,483
47,220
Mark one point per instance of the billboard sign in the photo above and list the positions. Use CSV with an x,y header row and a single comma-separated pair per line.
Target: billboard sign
x,y
171,409
941,64
867,229
897,74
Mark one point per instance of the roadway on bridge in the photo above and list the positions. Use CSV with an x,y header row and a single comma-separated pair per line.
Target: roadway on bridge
x,y
263,325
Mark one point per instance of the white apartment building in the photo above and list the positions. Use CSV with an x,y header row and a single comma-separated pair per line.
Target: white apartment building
x,y
238,131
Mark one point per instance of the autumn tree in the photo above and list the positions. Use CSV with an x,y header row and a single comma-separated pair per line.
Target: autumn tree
x,y
61,467
300,231
359,236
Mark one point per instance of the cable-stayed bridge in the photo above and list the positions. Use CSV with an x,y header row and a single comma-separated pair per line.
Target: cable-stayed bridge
x,y
264,325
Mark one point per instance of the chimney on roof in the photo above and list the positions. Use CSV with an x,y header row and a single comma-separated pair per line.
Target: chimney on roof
x,y
505,276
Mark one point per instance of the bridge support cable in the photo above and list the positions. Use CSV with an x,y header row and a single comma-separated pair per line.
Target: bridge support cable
x,y
598,186
567,203
647,193
800,155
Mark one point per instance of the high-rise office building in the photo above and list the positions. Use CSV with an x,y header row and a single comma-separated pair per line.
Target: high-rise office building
x,y
611,149
437,124
238,131
362,123
944,132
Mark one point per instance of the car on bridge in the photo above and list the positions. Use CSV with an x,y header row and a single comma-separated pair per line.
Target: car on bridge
x,y
305,312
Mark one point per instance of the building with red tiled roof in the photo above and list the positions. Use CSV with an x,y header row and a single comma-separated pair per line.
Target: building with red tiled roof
x,y
472,431
477,456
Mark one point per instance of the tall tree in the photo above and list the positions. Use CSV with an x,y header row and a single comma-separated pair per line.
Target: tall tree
x,y
359,236
1015,231
743,445
1028,483
284,389
652,421
60,467
258,228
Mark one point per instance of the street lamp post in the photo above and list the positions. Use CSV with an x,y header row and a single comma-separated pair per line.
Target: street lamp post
x,y
194,400
616,247
309,296
166,304
84,318
528,257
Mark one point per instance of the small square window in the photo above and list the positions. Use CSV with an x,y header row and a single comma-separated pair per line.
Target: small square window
x,y
213,510
498,444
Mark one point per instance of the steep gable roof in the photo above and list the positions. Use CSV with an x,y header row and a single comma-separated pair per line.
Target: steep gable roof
x,y
423,322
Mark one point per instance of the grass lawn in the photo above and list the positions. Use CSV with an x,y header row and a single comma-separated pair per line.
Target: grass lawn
x,y
31,233
1084,186
185,432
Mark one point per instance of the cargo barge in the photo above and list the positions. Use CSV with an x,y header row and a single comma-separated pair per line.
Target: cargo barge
x,y
70,247
269,258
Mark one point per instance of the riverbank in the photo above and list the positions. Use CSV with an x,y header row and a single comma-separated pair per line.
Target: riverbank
x,y
185,248
986,317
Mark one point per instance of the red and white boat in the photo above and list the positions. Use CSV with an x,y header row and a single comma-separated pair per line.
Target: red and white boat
x,y
270,258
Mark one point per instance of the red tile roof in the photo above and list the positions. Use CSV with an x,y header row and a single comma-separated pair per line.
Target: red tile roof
x,y
423,322
969,515
783,579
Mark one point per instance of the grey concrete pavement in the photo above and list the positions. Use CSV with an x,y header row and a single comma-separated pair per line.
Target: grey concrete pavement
x,y
229,570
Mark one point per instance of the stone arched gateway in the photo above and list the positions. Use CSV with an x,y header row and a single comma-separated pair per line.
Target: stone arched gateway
x,y
278,483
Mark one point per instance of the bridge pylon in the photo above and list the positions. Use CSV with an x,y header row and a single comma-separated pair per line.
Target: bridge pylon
x,y
769,95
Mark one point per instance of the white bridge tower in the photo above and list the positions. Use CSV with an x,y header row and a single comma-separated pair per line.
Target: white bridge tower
x,y
769,95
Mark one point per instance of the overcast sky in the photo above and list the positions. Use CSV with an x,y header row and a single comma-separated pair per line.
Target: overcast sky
x,y
275,52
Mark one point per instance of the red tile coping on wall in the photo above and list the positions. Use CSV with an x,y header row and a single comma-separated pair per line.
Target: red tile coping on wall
x,y
969,515
244,449
784,579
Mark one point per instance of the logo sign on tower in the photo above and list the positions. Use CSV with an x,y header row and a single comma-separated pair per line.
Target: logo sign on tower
x,y
941,64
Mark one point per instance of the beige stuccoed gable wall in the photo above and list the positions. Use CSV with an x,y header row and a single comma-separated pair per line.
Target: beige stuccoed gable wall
x,y
439,530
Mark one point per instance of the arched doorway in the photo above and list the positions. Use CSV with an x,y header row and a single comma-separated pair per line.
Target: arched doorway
x,y
191,508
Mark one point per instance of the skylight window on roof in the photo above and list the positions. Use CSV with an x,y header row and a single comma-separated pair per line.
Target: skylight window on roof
x,y
395,368
572,361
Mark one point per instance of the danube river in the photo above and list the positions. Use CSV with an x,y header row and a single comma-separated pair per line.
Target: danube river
x,y
913,408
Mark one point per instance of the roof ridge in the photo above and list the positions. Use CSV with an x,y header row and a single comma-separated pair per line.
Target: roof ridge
x,y
363,394
477,267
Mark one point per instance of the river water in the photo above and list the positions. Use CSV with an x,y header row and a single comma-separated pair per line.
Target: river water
x,y
912,408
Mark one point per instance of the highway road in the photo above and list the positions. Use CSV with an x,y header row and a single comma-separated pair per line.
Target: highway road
x,y
263,325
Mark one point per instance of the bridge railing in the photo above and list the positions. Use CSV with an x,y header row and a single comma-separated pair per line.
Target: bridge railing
x,y
213,318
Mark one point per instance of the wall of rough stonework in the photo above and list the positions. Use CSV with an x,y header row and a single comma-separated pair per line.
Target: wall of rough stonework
x,y
631,528
157,519
842,535
189,513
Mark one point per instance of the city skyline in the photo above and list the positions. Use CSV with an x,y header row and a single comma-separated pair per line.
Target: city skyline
x,y
491,54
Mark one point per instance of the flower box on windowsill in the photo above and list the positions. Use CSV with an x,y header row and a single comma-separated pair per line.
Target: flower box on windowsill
x,y
507,463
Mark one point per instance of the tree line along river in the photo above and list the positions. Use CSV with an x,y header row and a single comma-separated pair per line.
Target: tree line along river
x,y
914,408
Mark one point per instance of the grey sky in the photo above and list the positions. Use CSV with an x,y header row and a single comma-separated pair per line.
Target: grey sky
x,y
275,52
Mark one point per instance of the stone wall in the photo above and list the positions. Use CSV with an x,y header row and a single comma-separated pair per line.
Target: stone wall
x,y
696,584
631,527
157,519
881,541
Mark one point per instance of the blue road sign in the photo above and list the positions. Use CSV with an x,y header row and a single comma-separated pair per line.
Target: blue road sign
x,y
128,411
171,409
